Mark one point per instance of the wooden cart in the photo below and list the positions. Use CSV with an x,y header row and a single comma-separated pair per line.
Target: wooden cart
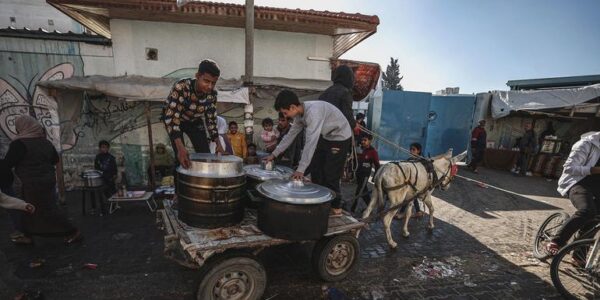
x,y
226,257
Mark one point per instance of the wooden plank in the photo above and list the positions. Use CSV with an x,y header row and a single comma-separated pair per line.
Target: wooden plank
x,y
245,235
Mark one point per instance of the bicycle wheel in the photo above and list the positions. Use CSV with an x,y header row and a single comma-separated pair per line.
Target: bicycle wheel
x,y
569,275
546,232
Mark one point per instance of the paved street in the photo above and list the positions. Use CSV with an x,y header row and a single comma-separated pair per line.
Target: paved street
x,y
482,239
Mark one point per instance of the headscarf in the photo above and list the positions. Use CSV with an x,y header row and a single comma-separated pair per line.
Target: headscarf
x,y
221,125
28,127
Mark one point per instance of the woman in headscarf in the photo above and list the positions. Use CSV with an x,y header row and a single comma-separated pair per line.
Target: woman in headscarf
x,y
34,159
223,139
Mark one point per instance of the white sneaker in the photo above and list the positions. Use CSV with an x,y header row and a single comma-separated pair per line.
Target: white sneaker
x,y
529,174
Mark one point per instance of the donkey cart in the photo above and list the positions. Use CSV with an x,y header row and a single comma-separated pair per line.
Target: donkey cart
x,y
226,257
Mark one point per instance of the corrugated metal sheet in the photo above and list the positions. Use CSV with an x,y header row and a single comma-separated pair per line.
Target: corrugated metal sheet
x,y
436,122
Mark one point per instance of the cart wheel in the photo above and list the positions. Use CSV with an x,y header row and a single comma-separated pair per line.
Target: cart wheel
x,y
335,257
236,276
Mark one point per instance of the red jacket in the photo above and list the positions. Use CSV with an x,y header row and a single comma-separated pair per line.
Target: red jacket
x,y
478,137
368,159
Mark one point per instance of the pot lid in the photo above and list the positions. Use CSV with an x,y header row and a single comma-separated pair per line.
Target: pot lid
x,y
295,191
278,172
91,173
212,165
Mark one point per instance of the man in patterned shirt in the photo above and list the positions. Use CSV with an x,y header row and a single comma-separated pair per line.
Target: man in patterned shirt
x,y
191,108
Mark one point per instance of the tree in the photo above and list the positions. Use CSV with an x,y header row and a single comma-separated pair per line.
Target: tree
x,y
391,77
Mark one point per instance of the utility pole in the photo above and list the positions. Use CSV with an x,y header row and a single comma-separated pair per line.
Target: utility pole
x,y
249,70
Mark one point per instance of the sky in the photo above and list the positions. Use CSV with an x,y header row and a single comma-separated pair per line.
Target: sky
x,y
477,45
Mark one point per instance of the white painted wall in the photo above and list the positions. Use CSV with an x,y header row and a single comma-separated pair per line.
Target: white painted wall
x,y
35,14
277,54
97,59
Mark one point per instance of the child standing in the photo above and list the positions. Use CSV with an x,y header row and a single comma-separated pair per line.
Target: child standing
x,y
269,136
237,140
106,163
368,159
415,150
251,158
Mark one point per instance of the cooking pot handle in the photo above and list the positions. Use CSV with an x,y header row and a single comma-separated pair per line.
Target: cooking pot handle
x,y
216,192
252,197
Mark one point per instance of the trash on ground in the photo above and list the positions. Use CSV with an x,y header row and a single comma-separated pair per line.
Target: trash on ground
x,y
90,266
331,293
432,269
36,263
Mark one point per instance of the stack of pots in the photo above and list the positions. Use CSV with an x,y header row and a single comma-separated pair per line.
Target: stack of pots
x,y
92,178
210,193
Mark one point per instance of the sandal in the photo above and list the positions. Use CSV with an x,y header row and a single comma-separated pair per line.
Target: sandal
x,y
552,248
75,238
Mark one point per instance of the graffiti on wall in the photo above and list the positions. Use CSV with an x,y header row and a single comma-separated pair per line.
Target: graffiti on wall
x,y
121,123
34,101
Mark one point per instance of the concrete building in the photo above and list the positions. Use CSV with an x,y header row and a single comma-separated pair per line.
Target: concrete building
x,y
288,43
292,49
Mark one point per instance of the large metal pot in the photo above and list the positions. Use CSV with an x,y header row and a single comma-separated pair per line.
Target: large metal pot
x,y
294,210
211,191
92,178
257,174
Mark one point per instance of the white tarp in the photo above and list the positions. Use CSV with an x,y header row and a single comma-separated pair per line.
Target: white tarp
x,y
503,102
140,88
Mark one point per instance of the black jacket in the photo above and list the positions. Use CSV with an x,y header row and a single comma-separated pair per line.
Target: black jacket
x,y
6,176
340,93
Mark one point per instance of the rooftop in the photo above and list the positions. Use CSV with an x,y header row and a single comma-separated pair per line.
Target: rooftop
x,y
347,29
555,82
54,35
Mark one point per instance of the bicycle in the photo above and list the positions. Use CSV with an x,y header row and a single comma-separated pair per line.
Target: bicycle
x,y
549,229
578,277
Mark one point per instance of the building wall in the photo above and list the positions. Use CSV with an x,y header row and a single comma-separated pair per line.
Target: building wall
x,y
35,14
276,54
24,62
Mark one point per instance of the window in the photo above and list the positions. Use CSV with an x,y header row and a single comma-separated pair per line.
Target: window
x,y
50,22
151,54
13,19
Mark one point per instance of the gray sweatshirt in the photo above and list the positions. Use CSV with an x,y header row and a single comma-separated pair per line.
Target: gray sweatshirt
x,y
319,119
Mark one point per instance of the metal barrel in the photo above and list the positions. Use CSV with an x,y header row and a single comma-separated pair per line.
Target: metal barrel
x,y
210,202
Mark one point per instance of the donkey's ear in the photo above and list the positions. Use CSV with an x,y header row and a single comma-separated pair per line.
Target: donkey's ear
x,y
448,153
459,157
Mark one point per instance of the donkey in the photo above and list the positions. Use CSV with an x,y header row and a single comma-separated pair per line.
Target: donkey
x,y
404,180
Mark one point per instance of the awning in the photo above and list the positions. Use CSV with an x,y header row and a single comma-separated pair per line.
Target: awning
x,y
141,88
503,102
